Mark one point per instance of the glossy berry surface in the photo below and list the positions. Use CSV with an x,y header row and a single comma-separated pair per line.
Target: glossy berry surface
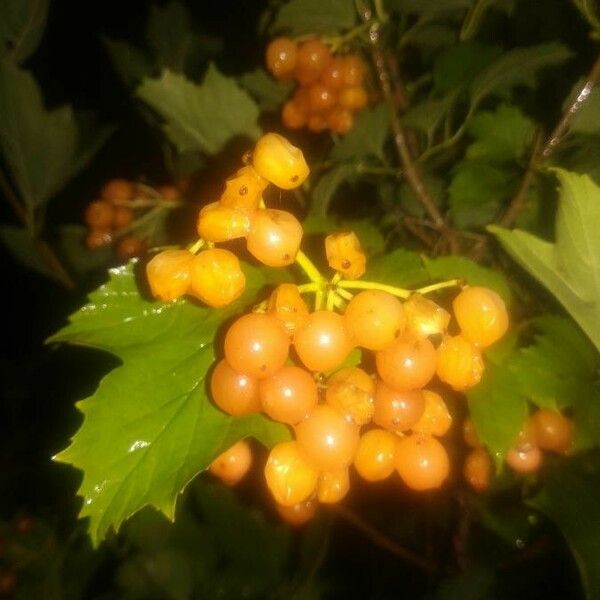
x,y
524,460
280,162
298,514
320,98
436,419
553,431
281,57
286,304
274,238
345,254
375,458
477,469
351,391
459,363
233,464
169,274
98,238
233,392
333,486
424,317
422,462
396,410
244,190
219,223
312,57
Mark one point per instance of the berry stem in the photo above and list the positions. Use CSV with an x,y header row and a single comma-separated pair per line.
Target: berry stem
x,y
197,246
331,295
307,288
345,294
434,287
309,267
374,285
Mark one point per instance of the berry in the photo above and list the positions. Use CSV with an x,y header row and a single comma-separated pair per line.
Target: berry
x,y
345,255
322,344
477,469
274,237
292,115
340,120
527,436
168,193
118,190
332,74
407,364
233,464
286,304
424,317
98,238
312,57
470,435
320,98
279,162
422,462
244,190
99,215
298,514
481,315
353,70
169,274
317,123
289,476
351,392
129,247
216,277
374,319
327,440
460,363
376,455
219,223
289,395
397,411
553,430
281,57
524,461
256,344
436,419
333,486
353,98
122,217
234,393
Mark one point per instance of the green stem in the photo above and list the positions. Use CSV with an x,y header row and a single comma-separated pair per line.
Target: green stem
x,y
434,287
197,246
308,288
308,267
330,299
473,20
374,285
345,294
319,296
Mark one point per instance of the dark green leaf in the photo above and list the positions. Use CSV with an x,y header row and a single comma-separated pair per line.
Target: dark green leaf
x,y
428,36
409,201
327,186
427,116
428,8
22,24
267,91
129,62
299,17
400,267
24,249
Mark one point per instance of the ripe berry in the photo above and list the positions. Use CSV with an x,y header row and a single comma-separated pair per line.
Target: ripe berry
x,y
98,238
118,190
374,319
292,115
312,57
422,462
376,455
470,435
234,393
332,74
320,98
99,215
289,476
218,223
333,486
287,305
407,363
345,255
477,469
353,70
169,274
298,514
524,460
460,363
327,440
481,315
553,430
233,464
280,162
129,247
351,392
424,317
397,411
353,98
256,344
323,342
281,57
340,120
122,217
216,277
436,419
289,395
317,123
274,237
244,190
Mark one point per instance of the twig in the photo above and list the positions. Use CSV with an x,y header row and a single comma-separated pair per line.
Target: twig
x,y
16,206
382,541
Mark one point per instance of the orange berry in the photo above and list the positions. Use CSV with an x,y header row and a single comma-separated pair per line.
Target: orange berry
x,y
322,344
527,436
374,319
333,486
274,237
436,420
169,274
332,74
234,393
397,411
292,115
256,344
327,439
98,238
320,98
553,430
481,315
424,317
122,217
407,363
422,462
233,464
351,392
312,57
524,460
287,305
317,123
118,190
345,254
281,57
279,162
99,215
477,469
300,99
353,71
470,435
340,120
376,455
353,98
168,193
289,395
244,190
218,223
459,363
129,247
298,514
289,476
216,277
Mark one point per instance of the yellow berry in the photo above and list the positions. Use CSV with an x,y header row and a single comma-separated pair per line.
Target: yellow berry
x,y
169,274
345,254
278,161
218,223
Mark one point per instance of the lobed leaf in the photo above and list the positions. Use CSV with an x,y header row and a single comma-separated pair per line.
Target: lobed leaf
x,y
299,17
267,91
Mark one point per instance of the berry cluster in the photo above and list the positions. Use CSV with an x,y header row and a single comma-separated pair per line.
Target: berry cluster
x,y
330,88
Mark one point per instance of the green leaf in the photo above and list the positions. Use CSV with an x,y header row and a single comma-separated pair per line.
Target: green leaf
x,y
428,8
23,249
150,427
328,184
427,116
22,24
571,498
299,17
400,267
268,92
516,67
569,268
409,201
587,119
131,64
201,117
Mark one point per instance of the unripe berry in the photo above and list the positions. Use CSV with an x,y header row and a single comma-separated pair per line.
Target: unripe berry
x,y
280,162
216,277
233,464
477,469
376,455
436,420
169,274
99,215
219,223
234,393
397,411
274,238
345,254
287,305
244,190
424,317
281,57
298,514
459,363
118,190
312,57
351,392
554,431
422,462
333,486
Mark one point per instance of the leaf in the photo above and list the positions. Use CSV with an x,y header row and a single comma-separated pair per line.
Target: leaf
x,y
571,498
71,243
587,119
326,187
426,116
516,67
23,249
201,117
569,268
299,17
399,267
22,24
367,137
150,427
268,92
409,201
131,64
428,8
